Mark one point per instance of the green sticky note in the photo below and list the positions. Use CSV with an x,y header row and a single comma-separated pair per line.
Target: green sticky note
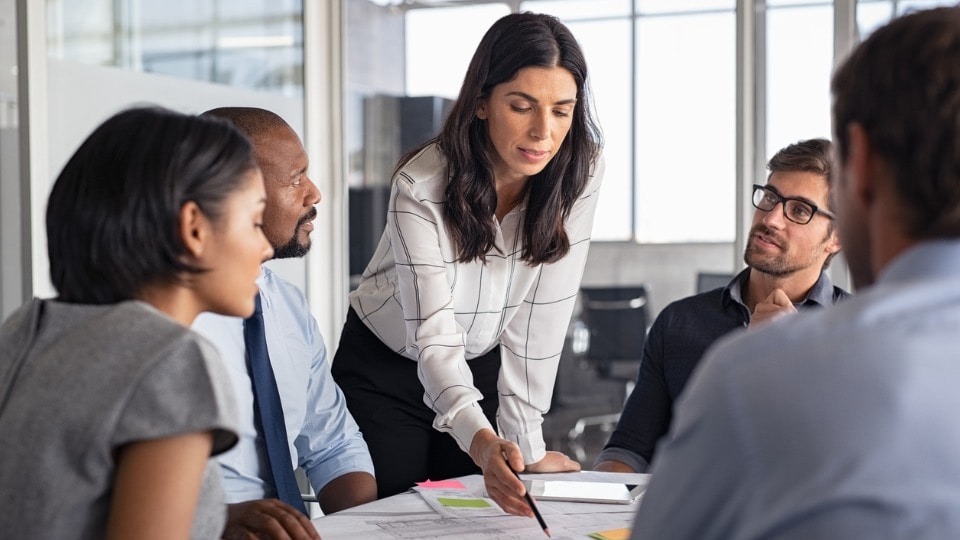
x,y
463,503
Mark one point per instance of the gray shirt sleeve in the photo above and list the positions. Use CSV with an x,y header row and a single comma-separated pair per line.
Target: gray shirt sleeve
x,y
185,391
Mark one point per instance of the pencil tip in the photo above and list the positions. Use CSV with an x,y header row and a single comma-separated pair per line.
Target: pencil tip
x,y
548,532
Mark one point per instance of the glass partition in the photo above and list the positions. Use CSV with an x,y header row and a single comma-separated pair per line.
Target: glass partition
x,y
241,43
12,234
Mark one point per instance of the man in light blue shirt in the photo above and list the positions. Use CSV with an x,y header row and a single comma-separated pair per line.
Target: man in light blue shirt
x,y
322,436
842,423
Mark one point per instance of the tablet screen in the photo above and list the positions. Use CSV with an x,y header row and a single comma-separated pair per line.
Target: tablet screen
x,y
601,492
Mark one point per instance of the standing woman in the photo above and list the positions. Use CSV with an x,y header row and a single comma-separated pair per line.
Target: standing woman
x,y
460,317
110,407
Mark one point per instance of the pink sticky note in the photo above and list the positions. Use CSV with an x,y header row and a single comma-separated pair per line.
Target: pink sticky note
x,y
442,484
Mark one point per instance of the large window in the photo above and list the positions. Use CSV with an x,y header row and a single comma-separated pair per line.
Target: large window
x,y
799,62
874,13
685,147
438,70
662,79
602,27
664,82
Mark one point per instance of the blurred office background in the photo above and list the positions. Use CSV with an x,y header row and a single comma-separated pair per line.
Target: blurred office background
x,y
693,96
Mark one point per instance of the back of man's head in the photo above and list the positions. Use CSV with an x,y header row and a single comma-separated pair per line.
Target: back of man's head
x,y
902,85
252,121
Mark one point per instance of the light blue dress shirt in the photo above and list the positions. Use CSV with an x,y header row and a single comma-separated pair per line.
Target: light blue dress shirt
x,y
324,438
838,423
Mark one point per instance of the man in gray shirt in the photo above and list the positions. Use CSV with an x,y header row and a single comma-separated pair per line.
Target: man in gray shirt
x,y
842,423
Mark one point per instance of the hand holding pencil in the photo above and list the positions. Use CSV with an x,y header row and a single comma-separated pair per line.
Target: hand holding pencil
x,y
533,506
500,460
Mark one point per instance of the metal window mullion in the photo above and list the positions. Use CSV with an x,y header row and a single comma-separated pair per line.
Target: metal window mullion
x,y
635,184
751,114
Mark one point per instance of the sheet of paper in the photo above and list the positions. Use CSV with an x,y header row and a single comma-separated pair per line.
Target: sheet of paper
x,y
343,527
459,502
591,476
410,515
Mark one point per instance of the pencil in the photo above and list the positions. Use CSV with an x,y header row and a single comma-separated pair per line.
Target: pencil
x,y
533,505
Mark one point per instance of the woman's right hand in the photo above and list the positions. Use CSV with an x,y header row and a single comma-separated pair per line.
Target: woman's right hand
x,y
499,458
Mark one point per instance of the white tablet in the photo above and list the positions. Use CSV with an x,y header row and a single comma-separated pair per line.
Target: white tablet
x,y
594,492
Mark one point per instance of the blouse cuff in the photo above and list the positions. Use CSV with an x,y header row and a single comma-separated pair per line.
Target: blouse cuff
x,y
466,424
470,420
531,445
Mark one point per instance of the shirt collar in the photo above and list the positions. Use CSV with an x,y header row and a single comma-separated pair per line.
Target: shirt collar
x,y
733,291
935,259
820,294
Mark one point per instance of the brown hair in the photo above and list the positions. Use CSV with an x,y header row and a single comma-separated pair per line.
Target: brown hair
x,y
902,85
811,155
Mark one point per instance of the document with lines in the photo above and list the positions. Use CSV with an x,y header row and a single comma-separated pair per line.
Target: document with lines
x,y
409,515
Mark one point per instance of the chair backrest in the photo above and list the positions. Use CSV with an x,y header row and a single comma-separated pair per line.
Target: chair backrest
x,y
708,281
616,318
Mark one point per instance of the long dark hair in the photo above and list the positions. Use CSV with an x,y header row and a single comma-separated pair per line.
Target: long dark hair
x,y
514,42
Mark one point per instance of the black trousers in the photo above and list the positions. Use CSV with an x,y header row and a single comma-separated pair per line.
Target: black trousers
x,y
385,397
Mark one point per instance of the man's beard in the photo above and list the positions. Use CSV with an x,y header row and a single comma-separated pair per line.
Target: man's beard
x,y
293,248
776,265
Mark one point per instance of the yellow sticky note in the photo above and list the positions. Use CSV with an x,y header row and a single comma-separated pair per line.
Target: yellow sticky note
x,y
612,534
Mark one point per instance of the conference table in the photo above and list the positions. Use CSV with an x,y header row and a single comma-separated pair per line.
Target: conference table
x,y
459,508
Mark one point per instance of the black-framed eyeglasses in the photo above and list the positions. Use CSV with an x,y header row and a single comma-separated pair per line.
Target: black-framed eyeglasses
x,y
767,198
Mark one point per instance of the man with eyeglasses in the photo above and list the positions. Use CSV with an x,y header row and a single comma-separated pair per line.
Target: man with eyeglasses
x,y
791,242
843,423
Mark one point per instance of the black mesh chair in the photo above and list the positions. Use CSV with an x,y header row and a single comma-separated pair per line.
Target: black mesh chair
x,y
616,322
707,281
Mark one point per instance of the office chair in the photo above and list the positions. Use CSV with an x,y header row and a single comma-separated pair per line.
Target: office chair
x,y
707,281
616,322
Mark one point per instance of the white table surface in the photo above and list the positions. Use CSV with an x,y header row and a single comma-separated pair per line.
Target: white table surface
x,y
409,516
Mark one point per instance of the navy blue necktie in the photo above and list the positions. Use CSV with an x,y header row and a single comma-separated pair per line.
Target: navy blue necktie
x,y
268,412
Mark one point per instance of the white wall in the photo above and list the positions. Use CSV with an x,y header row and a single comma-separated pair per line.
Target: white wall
x,y
83,96
64,101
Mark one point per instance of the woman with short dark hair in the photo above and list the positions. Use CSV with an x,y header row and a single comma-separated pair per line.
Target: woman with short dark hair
x,y
110,407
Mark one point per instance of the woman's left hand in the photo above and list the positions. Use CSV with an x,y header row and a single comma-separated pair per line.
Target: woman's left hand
x,y
554,462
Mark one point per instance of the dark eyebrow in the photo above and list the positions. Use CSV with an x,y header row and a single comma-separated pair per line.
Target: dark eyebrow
x,y
801,199
528,97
